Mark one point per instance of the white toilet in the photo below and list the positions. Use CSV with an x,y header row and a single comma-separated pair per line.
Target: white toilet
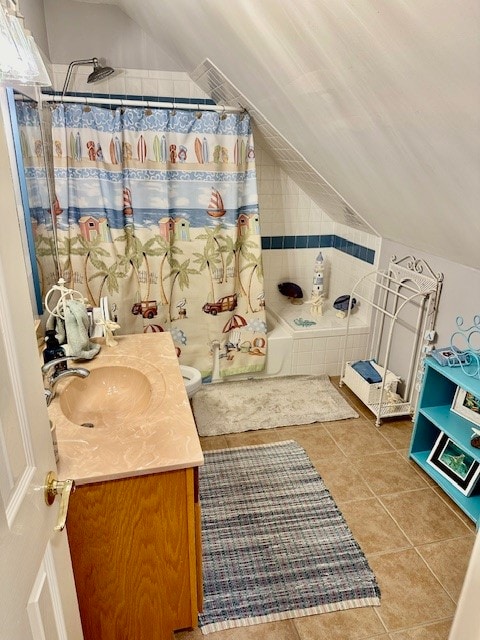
x,y
192,379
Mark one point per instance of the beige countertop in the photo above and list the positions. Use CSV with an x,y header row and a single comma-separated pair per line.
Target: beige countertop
x,y
150,429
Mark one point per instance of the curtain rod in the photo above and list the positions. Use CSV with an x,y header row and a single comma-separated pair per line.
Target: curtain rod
x,y
121,102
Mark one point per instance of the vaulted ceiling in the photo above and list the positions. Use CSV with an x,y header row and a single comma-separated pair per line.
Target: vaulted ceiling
x,y
380,97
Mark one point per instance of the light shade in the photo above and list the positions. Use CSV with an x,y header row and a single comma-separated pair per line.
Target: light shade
x,y
20,60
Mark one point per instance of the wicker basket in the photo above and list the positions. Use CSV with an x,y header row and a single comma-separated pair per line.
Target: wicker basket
x,y
369,393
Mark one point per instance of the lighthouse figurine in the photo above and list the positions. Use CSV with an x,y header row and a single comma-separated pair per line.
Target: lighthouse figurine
x,y
317,295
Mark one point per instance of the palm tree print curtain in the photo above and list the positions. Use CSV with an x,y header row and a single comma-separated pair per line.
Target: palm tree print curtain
x,y
158,211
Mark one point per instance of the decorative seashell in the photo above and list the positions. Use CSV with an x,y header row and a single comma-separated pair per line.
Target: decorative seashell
x,y
291,290
342,303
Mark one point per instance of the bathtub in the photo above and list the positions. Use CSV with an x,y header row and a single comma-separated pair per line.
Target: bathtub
x,y
296,348
279,349
318,348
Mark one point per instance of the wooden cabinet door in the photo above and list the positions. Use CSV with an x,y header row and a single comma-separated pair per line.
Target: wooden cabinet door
x,y
133,552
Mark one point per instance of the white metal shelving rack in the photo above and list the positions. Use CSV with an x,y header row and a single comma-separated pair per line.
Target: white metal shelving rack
x,y
405,294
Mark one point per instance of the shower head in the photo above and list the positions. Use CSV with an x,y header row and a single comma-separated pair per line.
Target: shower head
x,y
98,73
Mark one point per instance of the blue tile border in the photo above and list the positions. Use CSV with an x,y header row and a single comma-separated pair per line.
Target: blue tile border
x,y
320,242
130,96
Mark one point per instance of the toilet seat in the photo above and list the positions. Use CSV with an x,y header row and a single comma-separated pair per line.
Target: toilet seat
x,y
192,379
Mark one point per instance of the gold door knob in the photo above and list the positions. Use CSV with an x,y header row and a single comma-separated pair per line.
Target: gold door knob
x,y
62,488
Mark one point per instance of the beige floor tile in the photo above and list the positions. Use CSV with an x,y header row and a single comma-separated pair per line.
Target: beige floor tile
x,y
372,526
348,422
342,479
398,433
283,630
428,479
435,631
352,624
460,513
423,516
211,443
411,595
252,438
358,437
388,473
314,438
316,441
449,560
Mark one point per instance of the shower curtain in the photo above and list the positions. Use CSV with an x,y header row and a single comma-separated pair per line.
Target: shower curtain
x,y
158,211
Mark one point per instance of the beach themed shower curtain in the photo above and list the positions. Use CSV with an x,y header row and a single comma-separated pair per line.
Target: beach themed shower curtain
x,y
158,211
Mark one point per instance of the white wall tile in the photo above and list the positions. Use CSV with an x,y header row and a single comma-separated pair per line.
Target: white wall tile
x,y
133,81
305,344
133,86
117,85
149,87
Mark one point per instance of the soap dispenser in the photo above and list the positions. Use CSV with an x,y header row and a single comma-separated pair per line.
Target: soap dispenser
x,y
53,349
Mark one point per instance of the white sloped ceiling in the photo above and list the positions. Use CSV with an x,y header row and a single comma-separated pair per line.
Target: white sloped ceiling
x,y
381,98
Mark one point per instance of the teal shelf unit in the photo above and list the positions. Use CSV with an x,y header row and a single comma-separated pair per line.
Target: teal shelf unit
x,y
433,416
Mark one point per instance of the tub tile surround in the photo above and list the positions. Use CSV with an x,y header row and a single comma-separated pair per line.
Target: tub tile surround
x,y
294,229
320,242
318,349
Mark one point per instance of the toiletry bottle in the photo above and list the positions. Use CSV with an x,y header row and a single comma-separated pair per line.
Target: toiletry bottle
x,y
53,349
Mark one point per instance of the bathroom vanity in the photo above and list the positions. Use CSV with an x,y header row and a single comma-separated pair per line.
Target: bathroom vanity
x,y
133,522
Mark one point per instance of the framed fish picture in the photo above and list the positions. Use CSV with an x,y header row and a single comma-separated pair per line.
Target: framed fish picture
x,y
454,464
467,405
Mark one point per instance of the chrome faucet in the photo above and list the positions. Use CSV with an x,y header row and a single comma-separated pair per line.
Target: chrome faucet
x,y
52,374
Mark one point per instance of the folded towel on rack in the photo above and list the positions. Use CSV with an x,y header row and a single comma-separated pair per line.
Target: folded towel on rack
x,y
76,327
368,372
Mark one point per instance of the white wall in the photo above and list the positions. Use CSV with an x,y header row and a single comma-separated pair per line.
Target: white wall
x,y
460,293
33,11
79,31
380,97
466,623
460,296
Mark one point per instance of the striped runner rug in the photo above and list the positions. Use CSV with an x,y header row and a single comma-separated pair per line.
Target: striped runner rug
x,y
275,544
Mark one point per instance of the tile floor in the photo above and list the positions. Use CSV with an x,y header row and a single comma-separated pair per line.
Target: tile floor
x,y
416,540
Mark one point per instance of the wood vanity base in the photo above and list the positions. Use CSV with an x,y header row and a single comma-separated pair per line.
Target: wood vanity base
x,y
136,555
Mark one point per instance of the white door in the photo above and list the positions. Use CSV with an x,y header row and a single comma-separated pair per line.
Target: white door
x,y
466,623
37,592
